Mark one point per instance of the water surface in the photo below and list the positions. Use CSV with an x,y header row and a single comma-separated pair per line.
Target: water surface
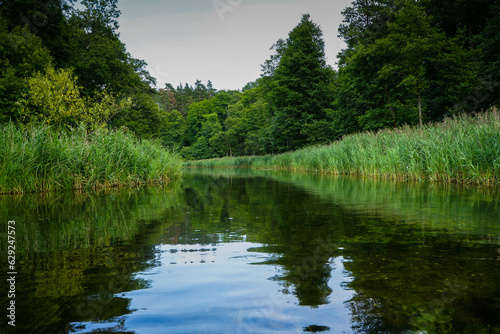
x,y
238,251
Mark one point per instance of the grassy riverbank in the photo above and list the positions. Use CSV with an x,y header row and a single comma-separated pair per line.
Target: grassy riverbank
x,y
463,150
38,158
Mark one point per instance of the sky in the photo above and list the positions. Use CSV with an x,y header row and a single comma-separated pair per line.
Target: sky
x,y
224,41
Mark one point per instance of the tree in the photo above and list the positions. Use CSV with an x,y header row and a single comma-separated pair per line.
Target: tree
x,y
195,120
96,45
489,42
200,91
54,98
143,117
411,47
100,16
300,88
210,130
257,121
210,89
221,102
44,19
366,21
410,72
21,55
452,16
173,134
201,149
166,98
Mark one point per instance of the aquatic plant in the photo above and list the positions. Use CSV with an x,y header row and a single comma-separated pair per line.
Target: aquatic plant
x,y
37,157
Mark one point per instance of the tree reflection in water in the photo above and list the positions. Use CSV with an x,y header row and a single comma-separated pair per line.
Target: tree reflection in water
x,y
416,259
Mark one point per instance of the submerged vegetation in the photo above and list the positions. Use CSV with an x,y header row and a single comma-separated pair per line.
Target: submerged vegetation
x,y
462,149
40,158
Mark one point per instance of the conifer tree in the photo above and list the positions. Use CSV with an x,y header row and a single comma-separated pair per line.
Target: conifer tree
x,y
300,87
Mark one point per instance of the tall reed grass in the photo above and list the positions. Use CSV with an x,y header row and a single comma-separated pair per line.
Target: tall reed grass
x,y
464,149
38,158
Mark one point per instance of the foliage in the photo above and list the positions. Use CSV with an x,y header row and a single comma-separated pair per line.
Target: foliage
x,y
195,120
489,42
65,65
411,72
55,99
96,45
173,133
462,150
21,54
300,85
365,21
142,116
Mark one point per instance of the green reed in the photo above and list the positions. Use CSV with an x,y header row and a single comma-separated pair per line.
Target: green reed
x,y
38,158
463,149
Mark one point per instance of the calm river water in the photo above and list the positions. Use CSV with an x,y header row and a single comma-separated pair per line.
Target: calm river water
x,y
238,251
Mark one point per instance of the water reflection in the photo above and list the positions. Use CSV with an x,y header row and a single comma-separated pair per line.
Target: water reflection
x,y
259,252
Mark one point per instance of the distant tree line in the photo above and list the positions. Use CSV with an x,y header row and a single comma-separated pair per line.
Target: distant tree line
x,y
406,62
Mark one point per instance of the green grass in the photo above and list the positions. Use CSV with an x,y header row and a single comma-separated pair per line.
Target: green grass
x,y
37,158
462,149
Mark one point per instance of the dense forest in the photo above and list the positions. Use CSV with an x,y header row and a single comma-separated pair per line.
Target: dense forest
x,y
76,109
406,62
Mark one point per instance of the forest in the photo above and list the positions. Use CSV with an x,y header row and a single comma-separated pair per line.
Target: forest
x,y
406,63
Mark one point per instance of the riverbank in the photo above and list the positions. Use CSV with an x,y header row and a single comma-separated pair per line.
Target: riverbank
x,y
38,158
463,149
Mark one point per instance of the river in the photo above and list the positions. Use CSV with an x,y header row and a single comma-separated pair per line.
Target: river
x,y
240,251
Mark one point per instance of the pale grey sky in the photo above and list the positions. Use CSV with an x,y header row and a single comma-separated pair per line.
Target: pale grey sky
x,y
224,41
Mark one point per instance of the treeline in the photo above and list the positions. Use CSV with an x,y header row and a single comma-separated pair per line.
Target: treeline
x,y
406,63
461,150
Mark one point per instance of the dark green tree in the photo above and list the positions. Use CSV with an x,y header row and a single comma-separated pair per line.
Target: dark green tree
x,y
300,90
413,72
418,57
143,117
210,89
454,15
21,55
97,46
173,133
200,91
201,149
489,42
366,20
195,120
45,19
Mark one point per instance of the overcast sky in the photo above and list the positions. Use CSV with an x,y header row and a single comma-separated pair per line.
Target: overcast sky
x,y
224,41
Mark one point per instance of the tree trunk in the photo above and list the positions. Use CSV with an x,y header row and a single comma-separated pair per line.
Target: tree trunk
x,y
390,106
420,110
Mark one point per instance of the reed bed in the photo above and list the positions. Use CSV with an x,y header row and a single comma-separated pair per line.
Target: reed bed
x,y
37,158
463,149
